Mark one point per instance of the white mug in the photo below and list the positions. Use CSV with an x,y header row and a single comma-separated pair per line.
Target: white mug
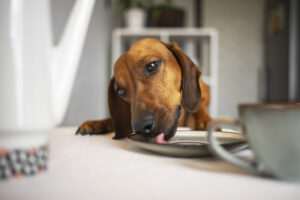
x,y
273,134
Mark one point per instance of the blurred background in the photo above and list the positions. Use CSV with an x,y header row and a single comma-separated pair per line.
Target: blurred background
x,y
258,48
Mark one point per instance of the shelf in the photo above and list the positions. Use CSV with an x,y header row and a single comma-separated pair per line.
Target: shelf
x,y
183,32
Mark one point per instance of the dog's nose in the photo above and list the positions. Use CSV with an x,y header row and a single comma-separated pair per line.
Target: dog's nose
x,y
144,125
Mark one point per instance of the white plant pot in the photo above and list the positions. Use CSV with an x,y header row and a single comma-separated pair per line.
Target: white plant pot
x,y
135,18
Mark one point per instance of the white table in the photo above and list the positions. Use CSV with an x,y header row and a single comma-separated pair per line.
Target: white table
x,y
97,167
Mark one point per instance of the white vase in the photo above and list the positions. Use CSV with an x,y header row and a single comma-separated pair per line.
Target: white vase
x,y
36,79
135,18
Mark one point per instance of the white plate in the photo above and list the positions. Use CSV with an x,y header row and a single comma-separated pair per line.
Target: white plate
x,y
190,143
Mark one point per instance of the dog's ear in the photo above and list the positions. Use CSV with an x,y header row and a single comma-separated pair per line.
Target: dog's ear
x,y
120,113
191,92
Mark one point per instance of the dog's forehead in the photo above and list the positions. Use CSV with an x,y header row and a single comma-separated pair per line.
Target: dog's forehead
x,y
140,53
146,47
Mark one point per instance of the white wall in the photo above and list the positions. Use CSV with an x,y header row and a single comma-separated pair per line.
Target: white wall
x,y
89,96
240,26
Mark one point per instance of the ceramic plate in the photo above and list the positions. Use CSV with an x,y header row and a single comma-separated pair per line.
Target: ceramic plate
x,y
190,143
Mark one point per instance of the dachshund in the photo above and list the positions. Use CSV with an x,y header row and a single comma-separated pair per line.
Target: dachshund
x,y
155,88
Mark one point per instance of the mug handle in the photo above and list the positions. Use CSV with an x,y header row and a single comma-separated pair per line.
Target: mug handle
x,y
221,152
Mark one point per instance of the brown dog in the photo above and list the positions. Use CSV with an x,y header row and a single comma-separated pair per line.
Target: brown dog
x,y
152,81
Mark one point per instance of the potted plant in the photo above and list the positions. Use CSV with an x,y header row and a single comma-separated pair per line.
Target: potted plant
x,y
134,13
165,15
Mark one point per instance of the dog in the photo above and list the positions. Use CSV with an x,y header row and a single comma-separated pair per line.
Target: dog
x,y
155,88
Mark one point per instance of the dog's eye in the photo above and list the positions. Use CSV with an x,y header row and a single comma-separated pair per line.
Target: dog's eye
x,y
152,67
121,92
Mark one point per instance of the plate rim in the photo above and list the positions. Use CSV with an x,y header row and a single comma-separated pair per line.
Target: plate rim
x,y
174,145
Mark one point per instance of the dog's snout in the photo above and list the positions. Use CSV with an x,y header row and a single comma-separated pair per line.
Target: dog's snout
x,y
144,125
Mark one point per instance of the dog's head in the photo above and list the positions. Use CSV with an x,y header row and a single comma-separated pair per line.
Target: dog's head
x,y
151,82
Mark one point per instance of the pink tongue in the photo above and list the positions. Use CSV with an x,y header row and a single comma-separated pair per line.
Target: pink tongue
x,y
160,139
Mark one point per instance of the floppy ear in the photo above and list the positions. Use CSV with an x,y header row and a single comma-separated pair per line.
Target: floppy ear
x,y
191,93
120,113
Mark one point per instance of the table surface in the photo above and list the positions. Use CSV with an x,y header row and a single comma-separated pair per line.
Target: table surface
x,y
97,167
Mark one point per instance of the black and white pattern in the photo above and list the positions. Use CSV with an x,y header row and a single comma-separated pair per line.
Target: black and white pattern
x,y
23,162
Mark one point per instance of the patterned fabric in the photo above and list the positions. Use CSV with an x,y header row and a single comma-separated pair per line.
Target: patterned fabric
x,y
23,162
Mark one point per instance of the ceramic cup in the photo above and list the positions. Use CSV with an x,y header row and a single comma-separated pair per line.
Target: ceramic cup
x,y
273,134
